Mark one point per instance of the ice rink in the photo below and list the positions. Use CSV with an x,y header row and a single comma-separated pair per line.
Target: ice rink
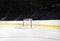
x,y
20,33
34,34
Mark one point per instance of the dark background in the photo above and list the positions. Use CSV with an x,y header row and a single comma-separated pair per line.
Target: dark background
x,y
35,9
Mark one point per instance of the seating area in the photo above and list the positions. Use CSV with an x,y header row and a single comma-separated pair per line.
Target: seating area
x,y
37,10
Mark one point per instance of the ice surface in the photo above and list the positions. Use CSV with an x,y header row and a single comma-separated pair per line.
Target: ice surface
x,y
19,33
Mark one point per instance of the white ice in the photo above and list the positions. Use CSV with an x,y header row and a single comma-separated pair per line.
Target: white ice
x,y
18,33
